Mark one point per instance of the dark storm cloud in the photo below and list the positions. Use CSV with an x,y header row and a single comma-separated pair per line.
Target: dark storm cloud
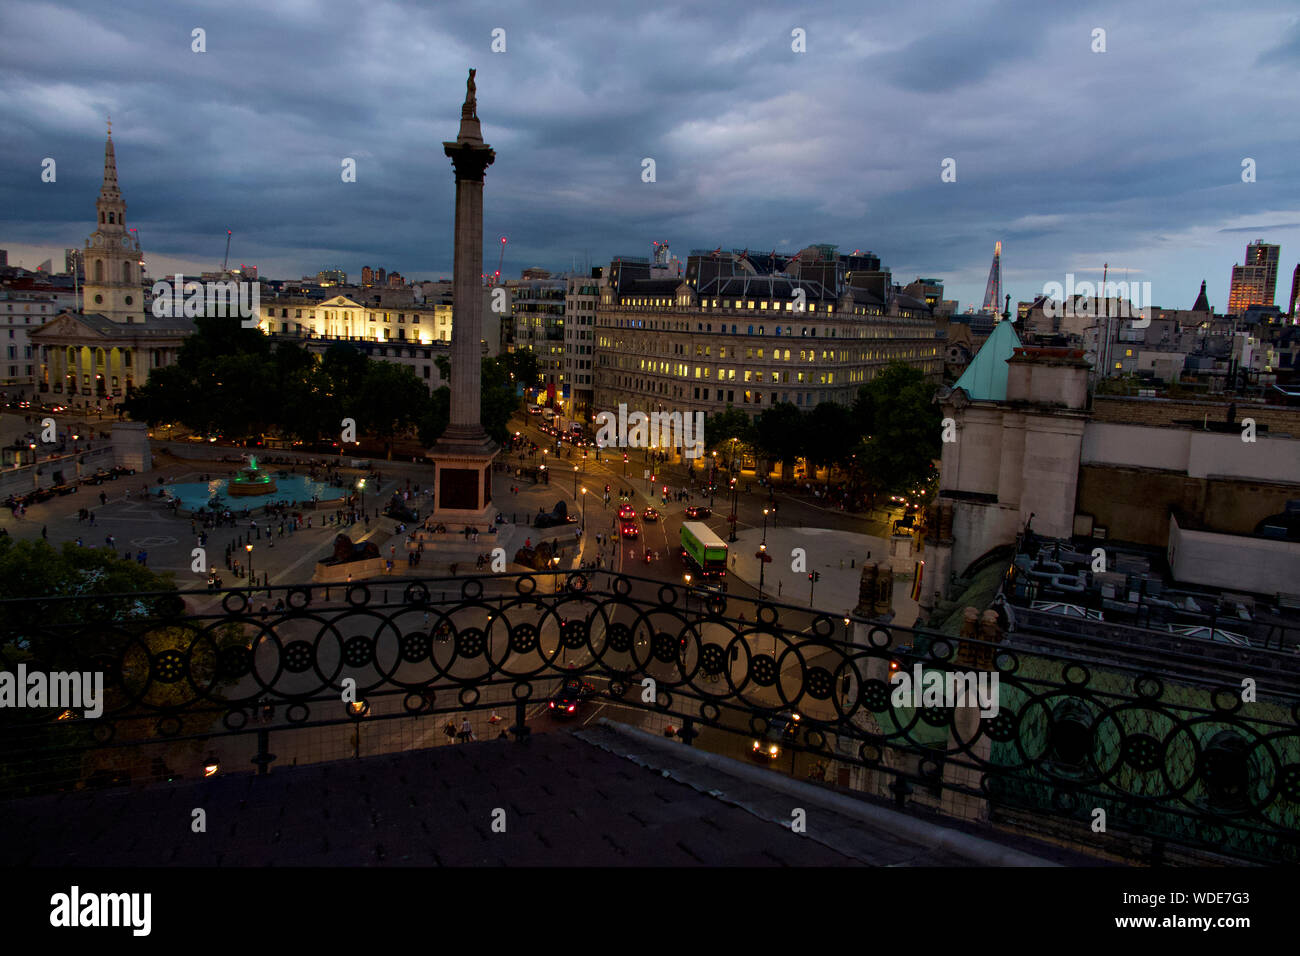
x,y
1070,157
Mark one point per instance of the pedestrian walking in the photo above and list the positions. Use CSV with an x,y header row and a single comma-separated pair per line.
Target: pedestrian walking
x,y
466,732
450,731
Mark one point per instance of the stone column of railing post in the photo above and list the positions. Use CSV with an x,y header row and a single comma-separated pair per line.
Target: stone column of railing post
x,y
965,732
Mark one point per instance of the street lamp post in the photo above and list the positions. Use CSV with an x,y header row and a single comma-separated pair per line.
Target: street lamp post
x,y
734,515
766,512
575,481
584,511
362,486
249,548
356,710
713,481
762,567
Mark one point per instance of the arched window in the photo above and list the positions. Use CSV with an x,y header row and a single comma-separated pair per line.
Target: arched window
x,y
99,270
126,272
110,219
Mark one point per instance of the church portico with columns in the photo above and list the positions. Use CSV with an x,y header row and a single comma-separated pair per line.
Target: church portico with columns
x,y
90,356
110,346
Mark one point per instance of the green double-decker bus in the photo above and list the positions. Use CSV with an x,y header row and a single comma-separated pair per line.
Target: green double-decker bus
x,y
704,550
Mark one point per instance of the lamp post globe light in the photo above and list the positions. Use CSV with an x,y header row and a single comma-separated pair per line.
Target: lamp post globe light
x,y
762,566
249,548
584,511
361,485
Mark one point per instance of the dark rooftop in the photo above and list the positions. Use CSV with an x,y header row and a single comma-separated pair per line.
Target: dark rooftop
x,y
597,797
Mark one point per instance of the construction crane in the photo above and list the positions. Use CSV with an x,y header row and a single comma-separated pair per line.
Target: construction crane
x,y
226,260
502,258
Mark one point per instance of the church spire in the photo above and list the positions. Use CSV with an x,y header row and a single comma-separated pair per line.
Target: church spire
x,y
109,191
1202,304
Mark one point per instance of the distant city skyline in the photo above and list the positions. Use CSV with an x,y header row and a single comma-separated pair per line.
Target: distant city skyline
x,y
1069,158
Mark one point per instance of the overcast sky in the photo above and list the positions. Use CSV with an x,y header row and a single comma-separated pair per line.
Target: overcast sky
x,y
1071,158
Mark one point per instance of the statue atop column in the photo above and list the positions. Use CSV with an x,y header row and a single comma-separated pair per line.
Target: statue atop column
x,y
470,109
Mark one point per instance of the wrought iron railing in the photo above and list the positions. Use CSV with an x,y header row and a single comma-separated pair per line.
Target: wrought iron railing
x,y
257,680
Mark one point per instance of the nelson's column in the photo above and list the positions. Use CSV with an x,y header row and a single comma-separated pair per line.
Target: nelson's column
x,y
463,455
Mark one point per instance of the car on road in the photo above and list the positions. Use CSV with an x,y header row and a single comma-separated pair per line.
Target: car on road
x,y
629,529
626,512
649,514
570,697
696,512
782,730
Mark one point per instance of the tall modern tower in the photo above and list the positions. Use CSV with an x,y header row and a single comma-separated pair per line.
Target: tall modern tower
x,y
464,453
993,291
1254,283
1295,292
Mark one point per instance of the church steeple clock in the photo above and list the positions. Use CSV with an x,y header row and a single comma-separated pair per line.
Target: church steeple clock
x,y
113,280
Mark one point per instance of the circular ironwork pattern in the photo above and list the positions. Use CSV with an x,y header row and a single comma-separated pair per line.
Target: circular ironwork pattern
x,y
619,637
762,670
169,667
234,662
1001,728
299,656
358,651
818,683
573,634
523,638
665,647
712,659
416,647
1183,756
1141,752
470,643
937,716
875,696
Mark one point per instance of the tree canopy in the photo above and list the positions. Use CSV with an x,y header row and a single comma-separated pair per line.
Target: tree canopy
x,y
889,436
235,382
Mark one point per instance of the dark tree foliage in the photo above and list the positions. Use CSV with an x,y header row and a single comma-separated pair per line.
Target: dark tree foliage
x,y
230,381
902,428
721,427
779,433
